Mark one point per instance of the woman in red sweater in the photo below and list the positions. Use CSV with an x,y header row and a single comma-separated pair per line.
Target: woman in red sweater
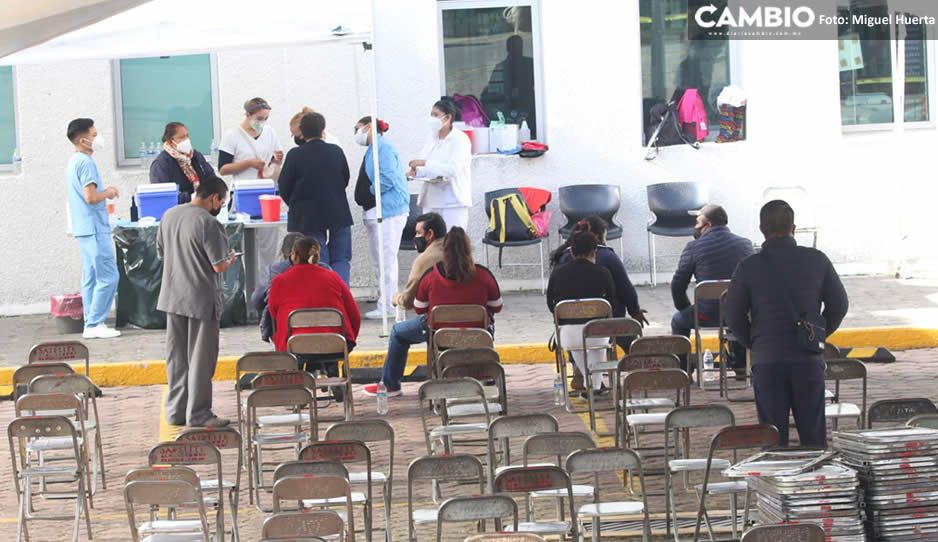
x,y
306,285
457,280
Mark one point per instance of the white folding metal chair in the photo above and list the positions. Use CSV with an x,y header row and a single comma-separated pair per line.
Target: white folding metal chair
x,y
477,508
193,454
503,429
323,490
224,439
468,389
172,488
346,453
438,470
522,481
608,460
303,526
840,370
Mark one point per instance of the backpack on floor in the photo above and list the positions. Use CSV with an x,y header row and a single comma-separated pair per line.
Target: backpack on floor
x,y
509,220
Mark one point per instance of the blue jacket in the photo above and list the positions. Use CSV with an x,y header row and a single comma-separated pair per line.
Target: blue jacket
x,y
312,182
626,298
714,256
395,197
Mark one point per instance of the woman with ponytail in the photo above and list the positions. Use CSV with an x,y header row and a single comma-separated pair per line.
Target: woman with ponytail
x,y
395,206
306,285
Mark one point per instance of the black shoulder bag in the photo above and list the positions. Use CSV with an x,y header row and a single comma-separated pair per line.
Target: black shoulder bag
x,y
810,332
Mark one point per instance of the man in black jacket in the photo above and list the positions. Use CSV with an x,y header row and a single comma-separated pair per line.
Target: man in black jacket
x,y
769,293
712,255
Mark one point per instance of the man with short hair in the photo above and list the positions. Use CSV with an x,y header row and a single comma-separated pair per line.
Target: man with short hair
x,y
712,255
771,298
87,206
194,249
428,240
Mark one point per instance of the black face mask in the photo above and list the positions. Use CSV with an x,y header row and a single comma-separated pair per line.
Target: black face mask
x,y
215,212
420,243
697,233
298,140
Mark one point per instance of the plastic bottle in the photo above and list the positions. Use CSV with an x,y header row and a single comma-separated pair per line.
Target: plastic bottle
x,y
134,211
213,158
382,399
558,391
709,374
17,162
142,154
524,133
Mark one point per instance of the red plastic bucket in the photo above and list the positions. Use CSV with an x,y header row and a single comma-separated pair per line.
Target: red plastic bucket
x,y
270,208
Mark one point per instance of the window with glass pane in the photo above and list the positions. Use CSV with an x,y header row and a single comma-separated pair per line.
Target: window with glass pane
x,y
865,66
488,53
916,73
672,59
7,116
156,91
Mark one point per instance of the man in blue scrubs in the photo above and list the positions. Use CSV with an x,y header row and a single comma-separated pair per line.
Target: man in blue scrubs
x,y
87,203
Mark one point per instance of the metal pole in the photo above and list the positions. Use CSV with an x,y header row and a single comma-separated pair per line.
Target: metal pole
x,y
377,175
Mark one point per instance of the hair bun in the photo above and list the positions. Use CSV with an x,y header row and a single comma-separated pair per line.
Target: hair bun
x,y
383,126
307,109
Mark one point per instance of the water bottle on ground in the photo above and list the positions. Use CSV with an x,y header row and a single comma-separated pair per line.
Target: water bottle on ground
x,y
558,391
709,374
382,397
17,162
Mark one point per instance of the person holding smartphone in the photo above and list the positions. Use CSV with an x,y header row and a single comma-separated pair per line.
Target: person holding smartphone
x,y
194,249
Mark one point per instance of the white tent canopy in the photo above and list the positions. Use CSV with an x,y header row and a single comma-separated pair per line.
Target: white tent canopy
x,y
167,27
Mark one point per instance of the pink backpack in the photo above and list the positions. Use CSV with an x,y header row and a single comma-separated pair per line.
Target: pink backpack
x,y
472,112
692,115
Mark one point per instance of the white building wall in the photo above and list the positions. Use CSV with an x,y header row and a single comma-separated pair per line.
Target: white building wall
x,y
871,189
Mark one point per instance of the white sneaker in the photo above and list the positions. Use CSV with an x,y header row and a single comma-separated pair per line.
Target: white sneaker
x,y
376,314
100,331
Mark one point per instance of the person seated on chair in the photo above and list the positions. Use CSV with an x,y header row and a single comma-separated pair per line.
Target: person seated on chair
x,y
259,295
626,298
457,280
581,278
306,285
429,232
712,255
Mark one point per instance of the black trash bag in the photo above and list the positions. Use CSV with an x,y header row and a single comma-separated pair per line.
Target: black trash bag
x,y
141,272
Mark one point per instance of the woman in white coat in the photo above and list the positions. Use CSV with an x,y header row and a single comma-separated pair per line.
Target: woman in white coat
x,y
446,164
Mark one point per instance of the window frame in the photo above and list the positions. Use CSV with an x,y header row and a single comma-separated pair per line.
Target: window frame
x,y
898,90
8,168
734,60
537,49
119,107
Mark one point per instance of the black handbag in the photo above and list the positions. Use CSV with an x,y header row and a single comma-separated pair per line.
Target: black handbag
x,y
810,332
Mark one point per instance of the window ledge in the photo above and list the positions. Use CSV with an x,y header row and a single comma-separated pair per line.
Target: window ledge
x,y
494,156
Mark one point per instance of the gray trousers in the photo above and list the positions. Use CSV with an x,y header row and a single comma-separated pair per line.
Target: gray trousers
x,y
191,356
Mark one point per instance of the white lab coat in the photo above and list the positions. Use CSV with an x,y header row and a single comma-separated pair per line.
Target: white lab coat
x,y
451,159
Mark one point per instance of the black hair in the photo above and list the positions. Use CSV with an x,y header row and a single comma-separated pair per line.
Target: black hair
x,y
254,105
312,125
716,216
448,106
170,130
287,245
433,222
382,125
210,186
596,225
306,250
582,244
78,128
776,218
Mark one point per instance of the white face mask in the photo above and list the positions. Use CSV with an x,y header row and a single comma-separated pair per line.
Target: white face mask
x,y
98,142
361,137
435,124
258,125
184,146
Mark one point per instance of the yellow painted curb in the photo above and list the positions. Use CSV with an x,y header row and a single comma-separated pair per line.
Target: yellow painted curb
x,y
148,373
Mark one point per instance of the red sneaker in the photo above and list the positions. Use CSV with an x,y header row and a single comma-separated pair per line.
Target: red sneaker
x,y
371,390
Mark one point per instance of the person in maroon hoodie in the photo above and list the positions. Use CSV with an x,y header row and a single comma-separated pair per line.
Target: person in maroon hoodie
x,y
306,285
457,280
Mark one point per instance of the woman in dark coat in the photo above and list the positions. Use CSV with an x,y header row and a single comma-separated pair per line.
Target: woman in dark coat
x,y
179,163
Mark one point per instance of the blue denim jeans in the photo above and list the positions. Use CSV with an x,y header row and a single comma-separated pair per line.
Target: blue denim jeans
x,y
336,250
403,335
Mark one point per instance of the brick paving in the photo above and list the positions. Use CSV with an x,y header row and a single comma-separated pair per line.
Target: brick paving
x,y
131,425
874,302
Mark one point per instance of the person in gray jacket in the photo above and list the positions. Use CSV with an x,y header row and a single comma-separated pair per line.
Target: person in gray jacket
x,y
769,294
194,249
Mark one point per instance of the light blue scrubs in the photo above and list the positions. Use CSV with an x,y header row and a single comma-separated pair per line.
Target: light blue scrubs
x,y
90,226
